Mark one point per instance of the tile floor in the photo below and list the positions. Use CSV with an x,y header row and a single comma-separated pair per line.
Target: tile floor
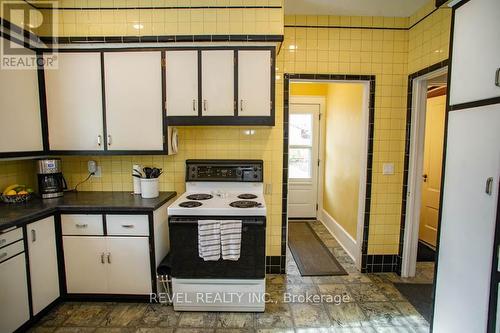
x,y
374,306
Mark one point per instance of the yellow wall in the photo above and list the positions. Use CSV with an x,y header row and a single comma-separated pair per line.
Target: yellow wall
x,y
343,142
309,89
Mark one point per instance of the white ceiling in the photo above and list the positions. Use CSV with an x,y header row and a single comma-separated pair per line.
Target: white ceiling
x,y
393,8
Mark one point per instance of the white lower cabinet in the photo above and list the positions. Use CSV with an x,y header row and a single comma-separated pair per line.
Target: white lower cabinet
x,y
107,265
44,272
13,293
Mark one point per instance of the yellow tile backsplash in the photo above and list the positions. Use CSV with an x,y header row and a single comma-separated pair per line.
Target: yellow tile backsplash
x,y
389,54
17,172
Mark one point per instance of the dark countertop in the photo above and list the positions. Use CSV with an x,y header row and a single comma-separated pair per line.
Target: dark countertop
x,y
18,214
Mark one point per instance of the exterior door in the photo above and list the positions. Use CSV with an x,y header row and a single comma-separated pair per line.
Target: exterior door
x,y
433,161
303,160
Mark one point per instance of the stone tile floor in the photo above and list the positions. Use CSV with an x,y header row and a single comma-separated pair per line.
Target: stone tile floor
x,y
374,306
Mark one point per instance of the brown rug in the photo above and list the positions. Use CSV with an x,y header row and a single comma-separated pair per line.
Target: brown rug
x,y
311,255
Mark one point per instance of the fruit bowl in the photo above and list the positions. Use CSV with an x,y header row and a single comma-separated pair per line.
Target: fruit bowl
x,y
18,198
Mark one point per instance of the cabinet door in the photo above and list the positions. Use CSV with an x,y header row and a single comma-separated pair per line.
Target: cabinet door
x,y
20,125
13,294
74,102
217,85
254,83
44,272
475,38
129,269
134,115
182,83
468,220
85,264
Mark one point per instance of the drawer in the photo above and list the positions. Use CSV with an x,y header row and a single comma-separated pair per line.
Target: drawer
x,y
11,250
82,224
11,236
134,225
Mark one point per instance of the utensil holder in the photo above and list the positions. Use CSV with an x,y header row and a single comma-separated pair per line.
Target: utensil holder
x,y
150,188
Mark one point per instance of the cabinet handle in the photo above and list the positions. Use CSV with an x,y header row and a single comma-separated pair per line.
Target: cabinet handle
x,y
3,255
497,78
102,258
194,105
33,235
241,105
82,226
99,140
489,186
128,226
109,140
204,105
109,258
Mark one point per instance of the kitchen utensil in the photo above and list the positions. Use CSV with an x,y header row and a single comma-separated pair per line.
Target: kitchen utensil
x,y
147,171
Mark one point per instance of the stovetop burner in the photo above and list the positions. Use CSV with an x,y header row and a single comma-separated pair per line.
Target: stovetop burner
x,y
247,196
190,204
245,204
199,196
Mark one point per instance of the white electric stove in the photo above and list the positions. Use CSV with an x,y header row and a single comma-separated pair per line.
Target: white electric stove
x,y
219,190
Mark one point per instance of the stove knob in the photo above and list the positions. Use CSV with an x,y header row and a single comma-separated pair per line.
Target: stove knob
x,y
255,175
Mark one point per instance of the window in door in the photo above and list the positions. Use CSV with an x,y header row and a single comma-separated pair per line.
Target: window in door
x,y
301,146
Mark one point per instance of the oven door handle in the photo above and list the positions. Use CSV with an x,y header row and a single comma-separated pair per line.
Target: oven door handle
x,y
246,222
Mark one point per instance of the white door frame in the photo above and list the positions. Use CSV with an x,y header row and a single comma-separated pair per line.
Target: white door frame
x,y
352,246
415,169
321,101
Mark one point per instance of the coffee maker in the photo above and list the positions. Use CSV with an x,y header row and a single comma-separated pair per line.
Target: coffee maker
x,y
51,182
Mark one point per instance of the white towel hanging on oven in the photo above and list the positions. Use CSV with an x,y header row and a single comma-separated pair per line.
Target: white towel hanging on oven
x,y
209,239
230,233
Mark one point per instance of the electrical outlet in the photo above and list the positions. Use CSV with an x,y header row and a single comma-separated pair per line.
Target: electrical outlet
x,y
97,173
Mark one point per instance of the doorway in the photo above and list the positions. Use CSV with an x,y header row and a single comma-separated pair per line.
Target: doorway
x,y
328,128
424,176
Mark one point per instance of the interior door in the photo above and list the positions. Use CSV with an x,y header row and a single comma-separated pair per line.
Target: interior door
x,y
74,102
303,160
134,114
433,162
129,269
85,264
468,220
44,272
182,83
217,83
254,83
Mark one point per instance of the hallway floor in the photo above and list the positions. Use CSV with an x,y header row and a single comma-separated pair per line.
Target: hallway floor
x,y
375,305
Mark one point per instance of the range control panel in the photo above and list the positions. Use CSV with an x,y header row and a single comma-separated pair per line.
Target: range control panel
x,y
225,170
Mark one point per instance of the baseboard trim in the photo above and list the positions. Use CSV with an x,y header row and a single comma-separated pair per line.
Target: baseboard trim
x,y
340,234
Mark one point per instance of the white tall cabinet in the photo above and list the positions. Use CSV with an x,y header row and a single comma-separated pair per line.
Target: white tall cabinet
x,y
44,274
182,83
134,115
254,85
74,102
20,125
471,176
217,82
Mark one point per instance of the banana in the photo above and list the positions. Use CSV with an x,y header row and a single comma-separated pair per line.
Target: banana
x,y
10,188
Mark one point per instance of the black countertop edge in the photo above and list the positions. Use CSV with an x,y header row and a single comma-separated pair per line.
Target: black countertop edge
x,y
17,215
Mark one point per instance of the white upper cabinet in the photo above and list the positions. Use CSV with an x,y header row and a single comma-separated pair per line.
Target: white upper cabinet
x,y
44,273
476,52
182,83
134,115
217,86
20,125
74,102
254,83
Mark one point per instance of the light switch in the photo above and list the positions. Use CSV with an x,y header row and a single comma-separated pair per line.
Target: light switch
x,y
388,169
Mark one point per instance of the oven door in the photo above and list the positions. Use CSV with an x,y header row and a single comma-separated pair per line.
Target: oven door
x,y
188,265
